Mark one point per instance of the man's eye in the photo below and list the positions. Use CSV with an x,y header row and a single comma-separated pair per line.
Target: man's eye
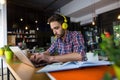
x,y
56,27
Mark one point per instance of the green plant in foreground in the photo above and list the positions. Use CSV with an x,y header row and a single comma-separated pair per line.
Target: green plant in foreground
x,y
111,47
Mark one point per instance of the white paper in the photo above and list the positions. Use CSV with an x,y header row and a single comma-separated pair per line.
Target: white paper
x,y
72,65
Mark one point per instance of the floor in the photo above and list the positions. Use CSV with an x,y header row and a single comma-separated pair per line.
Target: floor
x,y
5,75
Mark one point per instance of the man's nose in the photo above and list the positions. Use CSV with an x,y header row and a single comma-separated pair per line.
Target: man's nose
x,y
54,32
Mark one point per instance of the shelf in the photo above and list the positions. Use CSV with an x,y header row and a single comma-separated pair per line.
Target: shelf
x,y
29,37
20,34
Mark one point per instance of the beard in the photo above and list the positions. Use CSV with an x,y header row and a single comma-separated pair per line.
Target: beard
x,y
61,35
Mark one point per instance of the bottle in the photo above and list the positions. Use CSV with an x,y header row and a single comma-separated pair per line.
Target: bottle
x,y
24,44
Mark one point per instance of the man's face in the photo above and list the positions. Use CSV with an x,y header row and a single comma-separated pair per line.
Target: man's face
x,y
57,29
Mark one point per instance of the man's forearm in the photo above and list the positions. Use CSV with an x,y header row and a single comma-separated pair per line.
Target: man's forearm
x,y
66,57
46,53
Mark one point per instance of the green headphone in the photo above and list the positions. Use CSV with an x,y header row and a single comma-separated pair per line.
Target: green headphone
x,y
64,24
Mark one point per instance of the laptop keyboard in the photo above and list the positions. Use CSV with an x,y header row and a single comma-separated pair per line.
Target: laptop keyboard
x,y
41,63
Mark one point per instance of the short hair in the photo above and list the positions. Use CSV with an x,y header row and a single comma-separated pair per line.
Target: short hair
x,y
56,17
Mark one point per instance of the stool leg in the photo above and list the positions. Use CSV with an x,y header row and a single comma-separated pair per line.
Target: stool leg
x,y
2,69
8,74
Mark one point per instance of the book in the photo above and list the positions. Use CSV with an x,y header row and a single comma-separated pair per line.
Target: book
x,y
72,65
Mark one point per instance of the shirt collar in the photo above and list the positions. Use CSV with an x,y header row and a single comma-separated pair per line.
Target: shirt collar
x,y
65,39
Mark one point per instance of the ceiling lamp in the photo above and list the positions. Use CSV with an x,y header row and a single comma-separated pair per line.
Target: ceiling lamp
x,y
94,15
93,21
26,28
118,17
37,28
21,19
36,21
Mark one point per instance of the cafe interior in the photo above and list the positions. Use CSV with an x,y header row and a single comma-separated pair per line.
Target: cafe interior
x,y
24,22
27,20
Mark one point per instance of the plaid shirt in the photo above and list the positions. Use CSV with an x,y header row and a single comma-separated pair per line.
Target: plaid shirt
x,y
73,42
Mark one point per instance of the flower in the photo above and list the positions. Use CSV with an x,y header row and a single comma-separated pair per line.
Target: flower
x,y
111,47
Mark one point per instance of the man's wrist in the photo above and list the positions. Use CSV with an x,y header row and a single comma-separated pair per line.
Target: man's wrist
x,y
52,59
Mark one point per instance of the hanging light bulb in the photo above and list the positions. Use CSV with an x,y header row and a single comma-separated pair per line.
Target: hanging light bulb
x,y
93,22
47,22
37,28
94,15
21,19
118,17
26,27
36,25
36,21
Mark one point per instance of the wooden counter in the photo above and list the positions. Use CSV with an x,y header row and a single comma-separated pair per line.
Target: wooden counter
x,y
23,71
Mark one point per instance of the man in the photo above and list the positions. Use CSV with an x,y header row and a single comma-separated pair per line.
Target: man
x,y
69,44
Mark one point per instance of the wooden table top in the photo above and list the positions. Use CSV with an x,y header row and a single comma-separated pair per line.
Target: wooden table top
x,y
23,71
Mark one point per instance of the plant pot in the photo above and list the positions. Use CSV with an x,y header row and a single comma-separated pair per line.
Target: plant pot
x,y
8,55
117,71
1,52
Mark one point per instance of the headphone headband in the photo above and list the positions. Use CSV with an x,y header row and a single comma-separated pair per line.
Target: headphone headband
x,y
64,24
65,20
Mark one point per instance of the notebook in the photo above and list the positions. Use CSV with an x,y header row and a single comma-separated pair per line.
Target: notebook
x,y
23,58
72,65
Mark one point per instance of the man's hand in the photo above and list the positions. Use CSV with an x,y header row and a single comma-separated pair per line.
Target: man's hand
x,y
40,58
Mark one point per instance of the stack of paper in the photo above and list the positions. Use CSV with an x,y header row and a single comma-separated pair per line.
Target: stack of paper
x,y
72,65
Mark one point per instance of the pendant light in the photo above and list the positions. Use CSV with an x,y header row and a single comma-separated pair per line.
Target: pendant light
x,y
37,28
118,17
94,15
94,21
36,20
21,19
27,25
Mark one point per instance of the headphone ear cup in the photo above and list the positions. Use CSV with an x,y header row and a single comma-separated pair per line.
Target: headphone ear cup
x,y
64,25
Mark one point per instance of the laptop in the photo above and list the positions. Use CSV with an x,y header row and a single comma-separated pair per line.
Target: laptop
x,y
23,58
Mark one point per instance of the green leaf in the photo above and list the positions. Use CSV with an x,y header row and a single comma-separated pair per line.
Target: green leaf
x,y
107,76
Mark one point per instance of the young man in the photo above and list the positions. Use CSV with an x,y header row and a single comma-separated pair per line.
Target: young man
x,y
69,44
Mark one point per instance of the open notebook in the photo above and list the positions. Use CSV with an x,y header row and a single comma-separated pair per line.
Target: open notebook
x,y
72,65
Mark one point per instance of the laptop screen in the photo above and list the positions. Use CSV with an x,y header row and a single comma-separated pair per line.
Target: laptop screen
x,y
23,58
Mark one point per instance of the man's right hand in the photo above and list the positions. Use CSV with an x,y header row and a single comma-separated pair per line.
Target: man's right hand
x,y
36,58
40,58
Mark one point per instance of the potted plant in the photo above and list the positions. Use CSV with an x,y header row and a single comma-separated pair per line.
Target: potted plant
x,y
112,49
8,53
